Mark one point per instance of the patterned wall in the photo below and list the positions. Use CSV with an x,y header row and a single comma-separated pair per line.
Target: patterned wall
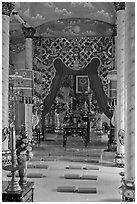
x,y
75,53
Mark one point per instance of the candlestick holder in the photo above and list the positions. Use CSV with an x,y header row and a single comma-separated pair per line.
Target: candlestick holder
x,y
13,185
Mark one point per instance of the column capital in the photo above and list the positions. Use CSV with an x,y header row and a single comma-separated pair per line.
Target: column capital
x,y
119,6
28,32
7,7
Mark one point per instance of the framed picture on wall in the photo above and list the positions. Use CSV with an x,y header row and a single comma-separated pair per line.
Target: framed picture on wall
x,y
82,84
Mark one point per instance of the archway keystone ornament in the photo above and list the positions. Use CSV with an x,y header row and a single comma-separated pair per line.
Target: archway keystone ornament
x,y
28,32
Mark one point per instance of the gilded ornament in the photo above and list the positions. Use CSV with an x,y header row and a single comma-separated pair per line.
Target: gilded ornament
x,y
28,32
119,6
7,7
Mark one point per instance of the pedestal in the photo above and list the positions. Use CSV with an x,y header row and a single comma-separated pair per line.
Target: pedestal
x,y
25,195
127,190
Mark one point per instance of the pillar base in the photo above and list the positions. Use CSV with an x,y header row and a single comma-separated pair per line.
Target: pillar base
x,y
119,160
127,190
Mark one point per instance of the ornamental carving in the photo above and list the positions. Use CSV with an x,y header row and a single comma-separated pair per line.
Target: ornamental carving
x,y
7,7
119,6
17,47
28,32
75,53
128,190
121,136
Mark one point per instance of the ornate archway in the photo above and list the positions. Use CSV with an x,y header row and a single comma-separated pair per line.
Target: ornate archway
x,y
76,48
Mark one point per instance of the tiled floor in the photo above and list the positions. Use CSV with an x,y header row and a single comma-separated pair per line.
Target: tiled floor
x,y
58,159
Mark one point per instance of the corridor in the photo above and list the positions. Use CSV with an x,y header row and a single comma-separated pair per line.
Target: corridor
x,y
74,173
68,66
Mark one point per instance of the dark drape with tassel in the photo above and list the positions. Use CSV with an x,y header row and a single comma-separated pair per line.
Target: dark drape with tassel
x,y
97,87
95,83
47,103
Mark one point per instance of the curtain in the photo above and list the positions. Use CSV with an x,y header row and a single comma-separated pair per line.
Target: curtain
x,y
95,83
55,86
97,87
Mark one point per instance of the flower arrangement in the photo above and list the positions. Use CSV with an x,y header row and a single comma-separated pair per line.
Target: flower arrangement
x,y
24,145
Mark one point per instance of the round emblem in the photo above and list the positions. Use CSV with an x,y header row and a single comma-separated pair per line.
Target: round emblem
x,y
77,29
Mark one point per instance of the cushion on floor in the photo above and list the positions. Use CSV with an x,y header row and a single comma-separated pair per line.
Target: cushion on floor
x,y
86,190
69,189
47,159
84,168
77,176
73,167
38,166
89,177
90,168
30,175
72,176
35,175
92,161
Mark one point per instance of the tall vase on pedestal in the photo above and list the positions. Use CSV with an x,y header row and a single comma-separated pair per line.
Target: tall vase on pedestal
x,y
24,153
23,174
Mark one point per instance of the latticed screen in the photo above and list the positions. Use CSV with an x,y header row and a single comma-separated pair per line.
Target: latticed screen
x,y
76,53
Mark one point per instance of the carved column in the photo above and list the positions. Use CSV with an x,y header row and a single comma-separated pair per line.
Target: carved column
x,y
120,65
29,33
128,183
6,10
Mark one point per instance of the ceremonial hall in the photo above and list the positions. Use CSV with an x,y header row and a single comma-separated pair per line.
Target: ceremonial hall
x,y
68,101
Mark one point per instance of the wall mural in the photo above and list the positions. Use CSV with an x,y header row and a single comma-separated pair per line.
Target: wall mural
x,y
75,27
76,53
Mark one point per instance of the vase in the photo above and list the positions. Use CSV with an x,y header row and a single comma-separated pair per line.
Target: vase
x,y
23,174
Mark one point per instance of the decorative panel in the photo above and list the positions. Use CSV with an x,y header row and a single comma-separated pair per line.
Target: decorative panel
x,y
22,85
76,53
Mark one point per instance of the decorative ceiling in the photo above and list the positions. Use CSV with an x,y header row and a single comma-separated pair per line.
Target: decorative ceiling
x,y
65,18
75,27
40,12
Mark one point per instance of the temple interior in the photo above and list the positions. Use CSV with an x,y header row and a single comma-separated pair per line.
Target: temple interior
x,y
68,101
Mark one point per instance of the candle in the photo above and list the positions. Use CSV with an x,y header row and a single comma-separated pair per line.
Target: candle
x,y
13,138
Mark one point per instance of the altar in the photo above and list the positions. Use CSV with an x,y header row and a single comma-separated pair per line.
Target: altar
x,y
76,126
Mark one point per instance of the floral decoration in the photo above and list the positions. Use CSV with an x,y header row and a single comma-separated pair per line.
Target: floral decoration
x,y
24,145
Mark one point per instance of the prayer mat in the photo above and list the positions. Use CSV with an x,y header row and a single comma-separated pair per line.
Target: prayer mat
x,y
73,167
37,166
92,161
90,168
73,189
30,175
72,176
47,159
84,168
89,177
86,190
67,189
82,177
78,160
